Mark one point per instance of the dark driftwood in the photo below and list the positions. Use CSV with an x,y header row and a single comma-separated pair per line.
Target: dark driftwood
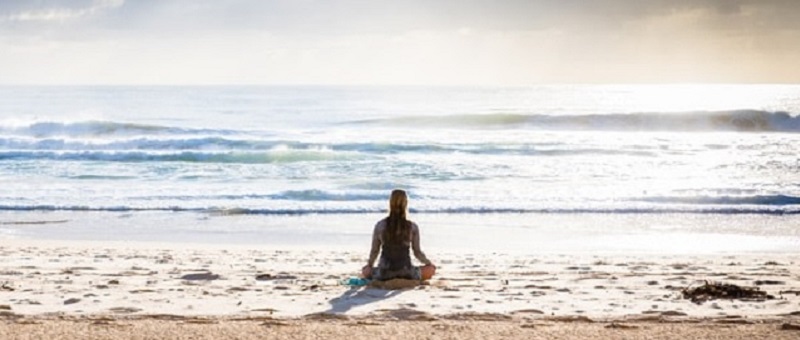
x,y
715,290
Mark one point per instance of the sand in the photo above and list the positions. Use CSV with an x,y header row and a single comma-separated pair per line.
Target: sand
x,y
114,328
64,289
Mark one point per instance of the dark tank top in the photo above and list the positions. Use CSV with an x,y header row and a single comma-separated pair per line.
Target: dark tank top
x,y
396,255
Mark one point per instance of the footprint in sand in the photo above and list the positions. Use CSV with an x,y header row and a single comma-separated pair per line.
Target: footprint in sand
x,y
200,277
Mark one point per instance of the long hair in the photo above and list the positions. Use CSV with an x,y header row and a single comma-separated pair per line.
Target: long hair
x,y
398,228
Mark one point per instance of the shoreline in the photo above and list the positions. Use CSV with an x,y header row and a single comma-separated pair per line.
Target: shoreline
x,y
536,234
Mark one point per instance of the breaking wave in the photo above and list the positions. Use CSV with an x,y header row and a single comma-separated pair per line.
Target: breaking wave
x,y
735,120
266,157
759,204
99,129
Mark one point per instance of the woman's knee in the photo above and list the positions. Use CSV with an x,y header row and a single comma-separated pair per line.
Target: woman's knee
x,y
427,272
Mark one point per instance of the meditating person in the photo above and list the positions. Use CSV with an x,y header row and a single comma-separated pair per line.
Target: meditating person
x,y
392,238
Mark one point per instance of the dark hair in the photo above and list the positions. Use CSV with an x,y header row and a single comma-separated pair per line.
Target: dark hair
x,y
398,227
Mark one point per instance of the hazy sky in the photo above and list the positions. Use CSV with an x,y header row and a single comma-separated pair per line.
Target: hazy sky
x,y
491,42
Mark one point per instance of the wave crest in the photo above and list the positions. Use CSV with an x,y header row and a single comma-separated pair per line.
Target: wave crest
x,y
266,157
95,128
755,204
696,121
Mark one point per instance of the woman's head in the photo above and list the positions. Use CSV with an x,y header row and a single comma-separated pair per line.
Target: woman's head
x,y
398,228
398,202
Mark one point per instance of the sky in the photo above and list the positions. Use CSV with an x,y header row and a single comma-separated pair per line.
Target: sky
x,y
399,42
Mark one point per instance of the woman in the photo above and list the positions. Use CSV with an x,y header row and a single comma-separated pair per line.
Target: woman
x,y
392,238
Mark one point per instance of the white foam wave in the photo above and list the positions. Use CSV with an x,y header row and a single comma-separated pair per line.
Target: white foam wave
x,y
734,120
45,129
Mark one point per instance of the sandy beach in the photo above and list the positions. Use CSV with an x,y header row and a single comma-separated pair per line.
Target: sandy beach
x,y
64,289
214,328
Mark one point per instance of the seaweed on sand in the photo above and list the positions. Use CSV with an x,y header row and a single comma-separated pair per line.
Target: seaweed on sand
x,y
716,290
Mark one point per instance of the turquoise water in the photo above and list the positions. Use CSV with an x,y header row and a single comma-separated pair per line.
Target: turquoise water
x,y
196,153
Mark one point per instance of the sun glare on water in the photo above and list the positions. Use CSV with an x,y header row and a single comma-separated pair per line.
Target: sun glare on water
x,y
697,97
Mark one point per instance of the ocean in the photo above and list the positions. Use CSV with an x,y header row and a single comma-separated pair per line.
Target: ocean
x,y
546,168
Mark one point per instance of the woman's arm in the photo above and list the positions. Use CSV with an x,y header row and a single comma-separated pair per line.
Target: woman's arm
x,y
415,245
376,244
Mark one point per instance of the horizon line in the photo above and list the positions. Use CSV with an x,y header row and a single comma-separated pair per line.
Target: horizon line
x,y
395,85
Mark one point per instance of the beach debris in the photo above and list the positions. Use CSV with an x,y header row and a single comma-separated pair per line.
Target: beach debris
x,y
768,282
790,327
6,287
716,290
71,301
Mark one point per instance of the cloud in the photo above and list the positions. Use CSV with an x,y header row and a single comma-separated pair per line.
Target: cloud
x,y
56,13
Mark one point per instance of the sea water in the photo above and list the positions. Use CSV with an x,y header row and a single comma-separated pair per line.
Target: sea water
x,y
543,167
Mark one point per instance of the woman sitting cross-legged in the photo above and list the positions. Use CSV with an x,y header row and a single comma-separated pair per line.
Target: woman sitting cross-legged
x,y
393,237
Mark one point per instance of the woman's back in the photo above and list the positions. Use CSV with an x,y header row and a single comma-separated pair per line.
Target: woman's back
x,y
393,238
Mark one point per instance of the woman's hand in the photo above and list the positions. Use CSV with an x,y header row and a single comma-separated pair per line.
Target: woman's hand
x,y
428,271
366,271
